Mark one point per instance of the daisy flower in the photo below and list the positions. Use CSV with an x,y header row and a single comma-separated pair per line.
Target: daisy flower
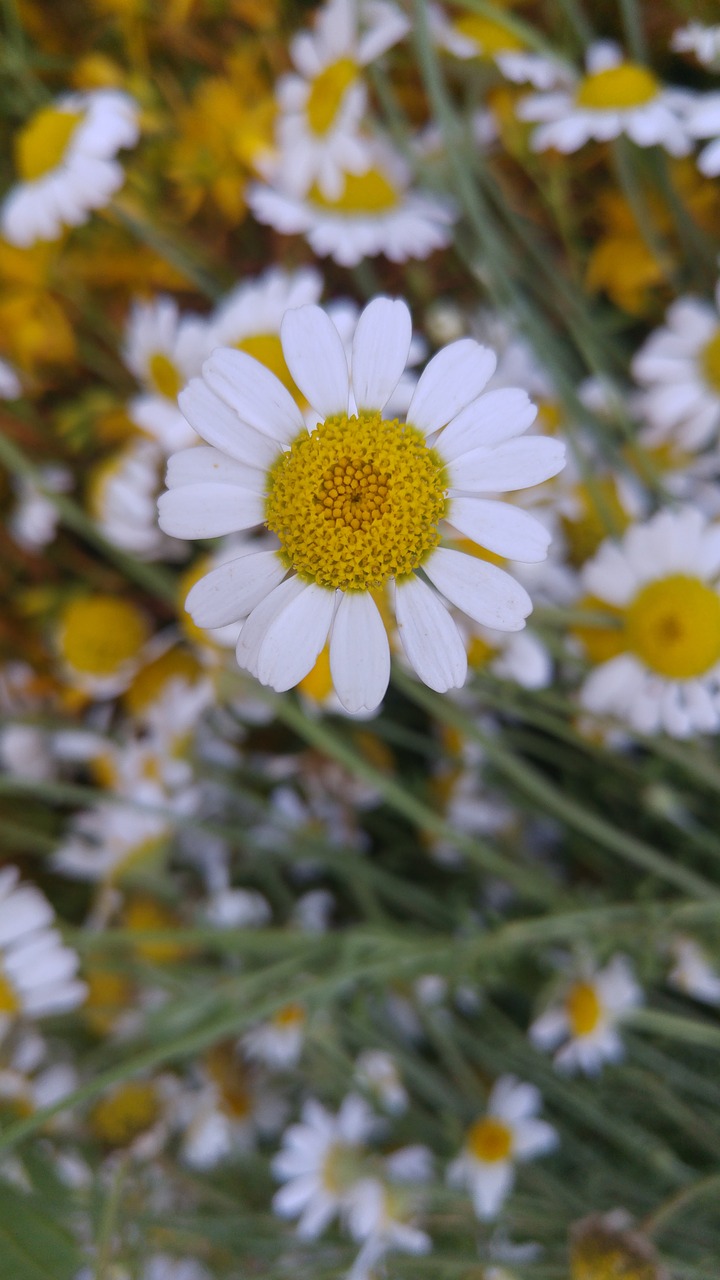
x,y
584,1023
100,640
692,972
322,106
377,1073
615,97
679,370
660,664
375,212
164,349
508,1132
382,1216
699,39
703,121
249,318
320,1164
472,35
65,159
37,972
122,496
278,1043
357,503
33,522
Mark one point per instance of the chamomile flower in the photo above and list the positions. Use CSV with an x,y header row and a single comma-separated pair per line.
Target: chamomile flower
x,y
693,973
65,159
249,317
164,349
34,520
508,1132
584,1023
659,656
377,1073
701,40
37,972
383,1215
357,503
678,368
473,35
703,121
376,212
105,842
322,106
229,1111
100,640
122,496
278,1042
615,97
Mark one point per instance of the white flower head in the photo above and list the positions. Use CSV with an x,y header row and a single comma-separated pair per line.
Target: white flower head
x,y
37,972
615,97
382,1215
509,1131
65,157
585,1023
34,520
701,40
164,349
693,973
678,368
377,1073
472,35
357,503
278,1042
122,496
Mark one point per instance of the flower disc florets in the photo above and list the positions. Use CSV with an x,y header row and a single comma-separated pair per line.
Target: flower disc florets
x,y
357,501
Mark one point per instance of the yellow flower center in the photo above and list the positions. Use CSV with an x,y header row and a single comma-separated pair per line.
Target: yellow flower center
x,y
9,1002
228,1073
489,35
490,1140
617,88
583,1008
164,376
126,1113
340,1168
150,683
710,362
289,1017
267,348
370,192
109,994
42,142
327,93
98,635
356,502
674,626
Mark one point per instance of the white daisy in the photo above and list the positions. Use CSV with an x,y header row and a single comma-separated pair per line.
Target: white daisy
x,y
228,1112
584,1022
278,1042
65,158
678,368
614,97
472,35
111,839
660,654
249,317
164,349
508,1132
37,972
321,107
33,522
703,121
356,503
693,973
376,212
383,1215
122,496
377,1072
320,1164
701,40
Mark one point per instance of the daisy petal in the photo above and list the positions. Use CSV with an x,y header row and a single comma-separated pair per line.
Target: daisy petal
x,y
316,359
263,615
518,464
454,377
202,465
294,639
490,420
208,510
380,351
256,395
429,636
359,653
506,530
216,422
231,591
481,590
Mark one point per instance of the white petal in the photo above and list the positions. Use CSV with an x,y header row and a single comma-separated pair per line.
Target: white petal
x,y
490,1186
316,359
519,464
294,639
220,426
380,351
256,395
429,636
481,590
261,618
205,464
454,377
232,591
507,531
493,418
208,510
359,653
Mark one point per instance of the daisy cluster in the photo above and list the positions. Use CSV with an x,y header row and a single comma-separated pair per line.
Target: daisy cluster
x,y
360,651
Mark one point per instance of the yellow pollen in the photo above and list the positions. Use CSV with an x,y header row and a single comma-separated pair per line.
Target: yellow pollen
x,y
674,626
617,88
583,1008
710,362
327,93
267,348
164,376
489,35
291,1015
370,192
41,144
490,1140
228,1073
126,1113
356,502
99,634
9,1002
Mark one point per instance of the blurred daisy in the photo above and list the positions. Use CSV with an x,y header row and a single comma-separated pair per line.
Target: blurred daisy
x,y
472,35
100,640
701,40
249,318
678,368
614,97
322,106
33,522
122,496
377,1073
229,1111
320,1164
693,973
375,212
357,502
65,159
508,1132
703,121
37,972
164,349
110,840
278,1042
660,663
585,1022
383,1214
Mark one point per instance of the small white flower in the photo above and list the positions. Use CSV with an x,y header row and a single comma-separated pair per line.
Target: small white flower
x,y
678,368
164,349
278,1042
377,1073
122,496
34,520
692,972
472,35
584,1023
37,972
105,841
249,317
508,1132
382,1216
65,156
701,40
